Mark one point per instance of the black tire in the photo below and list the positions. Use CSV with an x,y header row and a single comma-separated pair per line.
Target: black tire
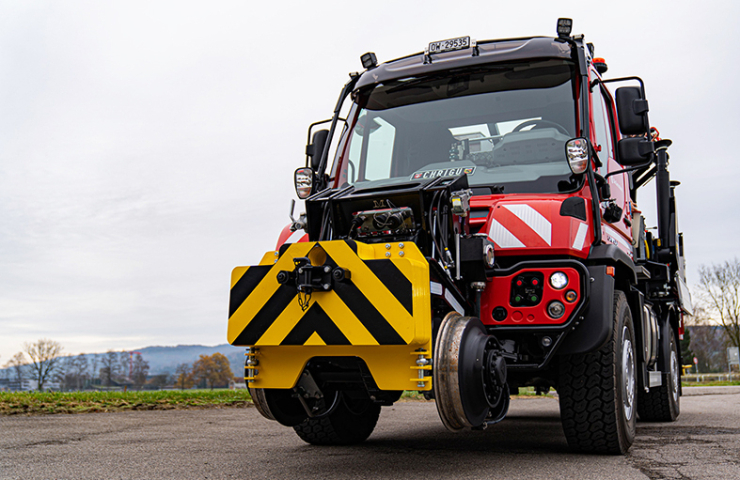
x,y
351,422
662,404
597,390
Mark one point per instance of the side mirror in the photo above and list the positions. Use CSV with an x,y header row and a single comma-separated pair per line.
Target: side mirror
x,y
635,151
632,111
303,182
576,151
316,148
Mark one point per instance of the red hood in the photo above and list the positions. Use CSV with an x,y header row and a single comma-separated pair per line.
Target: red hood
x,y
535,223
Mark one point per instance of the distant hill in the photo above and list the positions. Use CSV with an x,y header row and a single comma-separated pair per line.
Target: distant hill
x,y
166,359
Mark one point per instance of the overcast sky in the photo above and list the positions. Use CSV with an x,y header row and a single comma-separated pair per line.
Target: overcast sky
x,y
147,148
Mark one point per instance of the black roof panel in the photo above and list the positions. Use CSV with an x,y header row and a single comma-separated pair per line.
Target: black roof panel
x,y
490,51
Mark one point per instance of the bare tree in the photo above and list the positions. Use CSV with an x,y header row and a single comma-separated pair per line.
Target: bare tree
x,y
109,368
124,362
708,341
45,355
73,373
17,364
81,370
140,369
63,372
720,288
94,362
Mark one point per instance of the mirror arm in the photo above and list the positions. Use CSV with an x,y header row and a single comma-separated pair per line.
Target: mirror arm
x,y
630,169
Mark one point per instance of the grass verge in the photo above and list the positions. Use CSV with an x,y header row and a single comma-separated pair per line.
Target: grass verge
x,y
722,383
35,403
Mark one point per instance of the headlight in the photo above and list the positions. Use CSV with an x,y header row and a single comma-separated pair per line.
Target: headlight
x,y
558,280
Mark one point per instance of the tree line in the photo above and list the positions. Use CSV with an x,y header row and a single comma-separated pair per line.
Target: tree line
x,y
207,372
43,362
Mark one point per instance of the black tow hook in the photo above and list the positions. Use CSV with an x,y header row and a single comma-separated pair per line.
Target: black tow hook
x,y
308,278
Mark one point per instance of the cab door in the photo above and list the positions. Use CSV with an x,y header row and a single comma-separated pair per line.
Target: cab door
x,y
602,138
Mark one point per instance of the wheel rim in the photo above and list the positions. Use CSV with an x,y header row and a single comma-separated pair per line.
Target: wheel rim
x,y
674,374
628,375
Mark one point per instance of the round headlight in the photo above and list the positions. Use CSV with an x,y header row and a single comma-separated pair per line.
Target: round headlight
x,y
558,280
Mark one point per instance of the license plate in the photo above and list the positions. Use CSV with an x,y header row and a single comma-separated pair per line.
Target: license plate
x,y
449,45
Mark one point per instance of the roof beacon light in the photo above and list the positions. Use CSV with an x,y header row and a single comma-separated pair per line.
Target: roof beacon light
x,y
369,60
565,25
600,65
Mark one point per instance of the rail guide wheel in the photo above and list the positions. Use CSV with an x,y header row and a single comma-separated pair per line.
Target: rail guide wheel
x,y
469,374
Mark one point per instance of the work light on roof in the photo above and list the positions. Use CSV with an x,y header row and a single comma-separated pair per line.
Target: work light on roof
x,y
565,25
369,60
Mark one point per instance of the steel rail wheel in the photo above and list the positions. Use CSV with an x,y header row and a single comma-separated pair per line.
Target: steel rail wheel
x,y
468,380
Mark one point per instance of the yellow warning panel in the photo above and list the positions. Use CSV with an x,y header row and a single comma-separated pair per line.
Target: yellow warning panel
x,y
378,309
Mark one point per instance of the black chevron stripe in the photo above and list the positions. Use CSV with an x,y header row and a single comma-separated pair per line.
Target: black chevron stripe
x,y
395,281
365,311
266,316
315,321
367,314
245,285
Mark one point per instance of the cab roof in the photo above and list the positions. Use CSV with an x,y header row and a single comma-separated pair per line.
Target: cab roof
x,y
488,51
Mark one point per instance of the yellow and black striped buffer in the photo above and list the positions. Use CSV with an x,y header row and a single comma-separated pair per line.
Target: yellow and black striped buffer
x,y
385,300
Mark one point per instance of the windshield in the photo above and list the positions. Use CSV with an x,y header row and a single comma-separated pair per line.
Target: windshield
x,y
505,126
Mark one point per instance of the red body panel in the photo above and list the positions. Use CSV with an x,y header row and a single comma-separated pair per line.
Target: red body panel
x,y
286,236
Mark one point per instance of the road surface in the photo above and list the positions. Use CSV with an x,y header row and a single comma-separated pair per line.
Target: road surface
x,y
409,443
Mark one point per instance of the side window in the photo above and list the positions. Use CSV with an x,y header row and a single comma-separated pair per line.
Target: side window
x,y
379,150
601,129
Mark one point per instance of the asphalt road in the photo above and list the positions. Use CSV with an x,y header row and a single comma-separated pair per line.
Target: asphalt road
x,y
409,443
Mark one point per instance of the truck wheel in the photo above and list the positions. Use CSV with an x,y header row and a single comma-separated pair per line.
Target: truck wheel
x,y
597,390
661,404
352,421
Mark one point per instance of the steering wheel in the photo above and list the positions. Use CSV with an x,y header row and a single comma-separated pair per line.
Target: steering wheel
x,y
540,124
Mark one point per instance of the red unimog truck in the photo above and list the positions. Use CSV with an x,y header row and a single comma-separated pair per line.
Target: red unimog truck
x,y
475,231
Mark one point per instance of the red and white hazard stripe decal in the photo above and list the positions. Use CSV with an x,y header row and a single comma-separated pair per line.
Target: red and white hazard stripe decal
x,y
527,228
502,237
534,220
580,240
297,236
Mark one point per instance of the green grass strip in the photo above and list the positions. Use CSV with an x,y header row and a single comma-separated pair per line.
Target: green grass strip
x,y
32,403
